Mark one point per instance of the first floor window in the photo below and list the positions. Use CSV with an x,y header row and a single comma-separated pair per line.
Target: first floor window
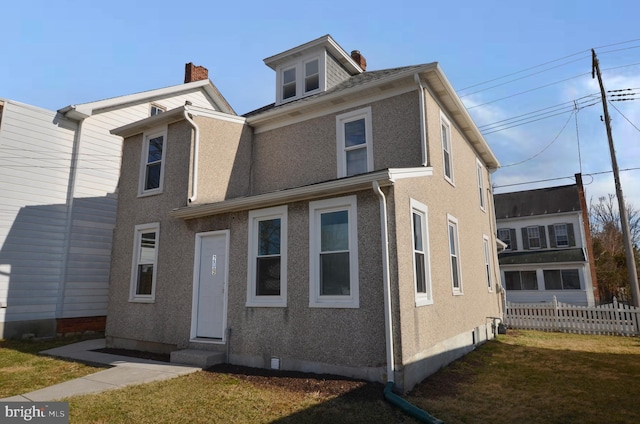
x,y
565,279
454,255
421,253
521,280
267,257
333,253
487,260
145,255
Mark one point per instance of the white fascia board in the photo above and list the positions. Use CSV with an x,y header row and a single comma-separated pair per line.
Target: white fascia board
x,y
325,41
330,188
491,160
170,116
87,109
336,96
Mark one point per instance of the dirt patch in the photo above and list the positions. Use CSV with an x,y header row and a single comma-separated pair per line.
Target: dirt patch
x,y
322,384
162,357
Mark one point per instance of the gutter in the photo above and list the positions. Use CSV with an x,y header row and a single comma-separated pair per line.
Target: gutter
x,y
397,401
196,149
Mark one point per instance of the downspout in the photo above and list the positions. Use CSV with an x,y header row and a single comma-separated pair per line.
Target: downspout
x,y
392,398
423,121
196,149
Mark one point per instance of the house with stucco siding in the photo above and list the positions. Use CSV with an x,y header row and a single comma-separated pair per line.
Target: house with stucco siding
x,y
347,228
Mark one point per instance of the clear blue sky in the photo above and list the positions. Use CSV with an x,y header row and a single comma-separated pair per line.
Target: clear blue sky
x,y
58,53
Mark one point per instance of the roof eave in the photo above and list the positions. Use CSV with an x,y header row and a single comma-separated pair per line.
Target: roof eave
x,y
330,188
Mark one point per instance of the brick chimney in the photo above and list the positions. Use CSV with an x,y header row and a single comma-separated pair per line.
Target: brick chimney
x,y
195,73
360,60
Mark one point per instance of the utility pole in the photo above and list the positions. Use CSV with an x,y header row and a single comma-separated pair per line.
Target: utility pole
x,y
632,273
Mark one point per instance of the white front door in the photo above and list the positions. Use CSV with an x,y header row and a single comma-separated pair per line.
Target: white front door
x,y
210,285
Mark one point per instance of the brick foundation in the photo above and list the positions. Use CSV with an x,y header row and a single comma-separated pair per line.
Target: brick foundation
x,y
80,325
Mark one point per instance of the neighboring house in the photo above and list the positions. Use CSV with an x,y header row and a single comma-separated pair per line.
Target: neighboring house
x,y
347,228
548,240
58,177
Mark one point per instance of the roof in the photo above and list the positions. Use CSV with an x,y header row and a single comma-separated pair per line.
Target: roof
x,y
325,41
371,82
84,110
542,256
541,201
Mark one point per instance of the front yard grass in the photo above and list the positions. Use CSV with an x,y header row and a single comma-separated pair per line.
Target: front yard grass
x,y
523,377
22,370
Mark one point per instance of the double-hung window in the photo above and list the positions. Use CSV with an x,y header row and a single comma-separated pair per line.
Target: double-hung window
x,y
354,142
445,133
480,184
561,234
267,283
504,234
487,261
152,167
145,258
333,253
311,76
454,254
421,268
533,235
289,84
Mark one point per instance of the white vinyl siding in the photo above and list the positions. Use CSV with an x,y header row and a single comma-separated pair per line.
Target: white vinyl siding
x,y
333,253
267,268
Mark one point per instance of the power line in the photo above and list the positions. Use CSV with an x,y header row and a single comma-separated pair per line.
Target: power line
x,y
591,174
618,110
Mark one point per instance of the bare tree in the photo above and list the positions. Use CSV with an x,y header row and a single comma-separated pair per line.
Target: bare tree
x,y
608,246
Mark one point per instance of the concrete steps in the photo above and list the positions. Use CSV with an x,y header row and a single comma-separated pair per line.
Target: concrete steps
x,y
198,358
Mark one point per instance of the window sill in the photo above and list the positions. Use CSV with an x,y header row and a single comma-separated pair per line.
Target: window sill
x,y
336,304
266,304
149,193
450,181
423,302
142,300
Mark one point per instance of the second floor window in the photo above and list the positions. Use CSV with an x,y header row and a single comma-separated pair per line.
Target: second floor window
x,y
505,234
561,235
446,149
355,149
533,237
152,169
289,83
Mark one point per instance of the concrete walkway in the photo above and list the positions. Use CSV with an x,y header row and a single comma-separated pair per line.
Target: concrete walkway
x,y
124,371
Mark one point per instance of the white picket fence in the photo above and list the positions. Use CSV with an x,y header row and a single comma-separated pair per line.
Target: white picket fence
x,y
613,318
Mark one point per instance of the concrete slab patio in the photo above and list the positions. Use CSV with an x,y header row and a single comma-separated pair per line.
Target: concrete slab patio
x,y
124,371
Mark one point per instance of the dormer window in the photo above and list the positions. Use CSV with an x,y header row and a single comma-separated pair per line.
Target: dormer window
x,y
288,83
311,76
301,78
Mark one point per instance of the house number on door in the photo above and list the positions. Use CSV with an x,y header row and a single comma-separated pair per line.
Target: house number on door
x,y
213,265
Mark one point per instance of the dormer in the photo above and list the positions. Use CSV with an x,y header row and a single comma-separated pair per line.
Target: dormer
x,y
312,68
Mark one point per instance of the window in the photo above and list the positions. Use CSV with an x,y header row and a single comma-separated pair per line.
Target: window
x,y
145,257
533,236
480,184
561,235
152,171
156,110
333,279
422,272
487,261
267,282
445,129
505,234
454,253
354,139
521,280
311,76
565,279
289,83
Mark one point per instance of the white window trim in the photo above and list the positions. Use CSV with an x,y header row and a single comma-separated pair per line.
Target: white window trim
x,y
453,220
529,238
510,241
316,208
139,229
143,161
426,298
487,262
555,235
299,66
162,109
341,120
253,300
445,122
481,193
